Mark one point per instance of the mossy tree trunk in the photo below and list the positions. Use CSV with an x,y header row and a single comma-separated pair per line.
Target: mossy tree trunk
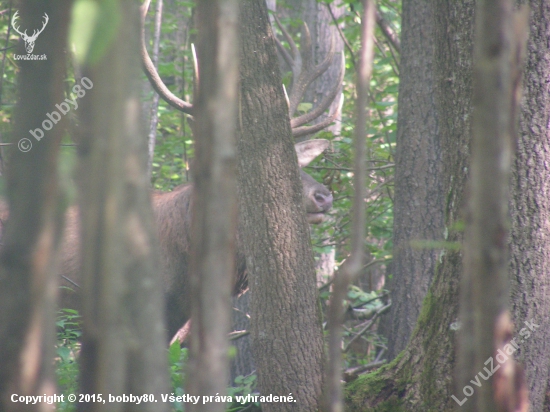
x,y
421,376
418,202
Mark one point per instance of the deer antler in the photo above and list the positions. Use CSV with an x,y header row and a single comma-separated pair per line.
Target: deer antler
x,y
303,74
13,20
37,32
29,40
152,74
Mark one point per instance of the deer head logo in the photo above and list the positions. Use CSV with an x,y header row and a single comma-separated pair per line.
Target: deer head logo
x,y
29,40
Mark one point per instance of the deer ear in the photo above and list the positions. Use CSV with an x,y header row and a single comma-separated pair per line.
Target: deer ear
x,y
309,150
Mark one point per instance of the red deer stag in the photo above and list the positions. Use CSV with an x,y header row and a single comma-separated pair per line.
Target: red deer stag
x,y
173,209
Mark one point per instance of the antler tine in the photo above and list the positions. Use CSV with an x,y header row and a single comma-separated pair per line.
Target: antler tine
x,y
37,32
293,48
13,20
308,74
325,64
305,130
325,103
153,75
301,70
286,55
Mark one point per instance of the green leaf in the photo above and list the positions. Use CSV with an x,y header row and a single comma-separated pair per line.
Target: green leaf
x,y
174,352
64,353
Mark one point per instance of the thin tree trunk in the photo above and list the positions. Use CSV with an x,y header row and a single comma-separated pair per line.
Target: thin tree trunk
x,y
352,267
484,313
28,286
154,117
123,344
214,201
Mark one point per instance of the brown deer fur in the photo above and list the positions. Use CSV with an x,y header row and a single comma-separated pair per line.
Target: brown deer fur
x,y
173,220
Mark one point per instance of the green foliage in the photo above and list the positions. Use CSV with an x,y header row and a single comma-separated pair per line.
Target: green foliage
x,y
243,386
67,349
335,169
177,360
8,84
174,145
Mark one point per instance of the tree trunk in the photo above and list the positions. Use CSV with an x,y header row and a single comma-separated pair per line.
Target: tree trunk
x,y
123,344
321,27
530,210
420,378
485,321
28,286
286,329
418,202
214,201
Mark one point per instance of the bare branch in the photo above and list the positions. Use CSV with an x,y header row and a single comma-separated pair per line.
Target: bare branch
x,y
388,32
352,266
342,36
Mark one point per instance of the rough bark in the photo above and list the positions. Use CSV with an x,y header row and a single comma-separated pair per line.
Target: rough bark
x,y
418,201
286,330
321,27
420,378
27,283
214,201
123,343
243,364
530,210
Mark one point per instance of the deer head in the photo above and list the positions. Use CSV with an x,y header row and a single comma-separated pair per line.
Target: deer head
x,y
29,40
